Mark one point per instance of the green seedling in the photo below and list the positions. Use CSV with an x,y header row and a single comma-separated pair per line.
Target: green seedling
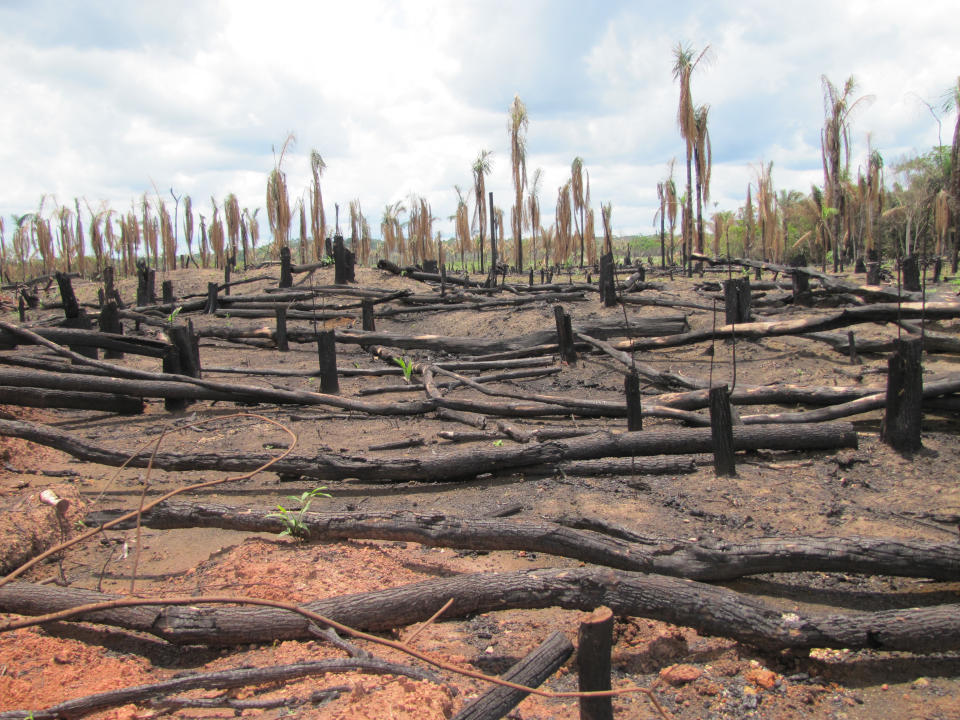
x,y
173,316
292,520
406,366
498,443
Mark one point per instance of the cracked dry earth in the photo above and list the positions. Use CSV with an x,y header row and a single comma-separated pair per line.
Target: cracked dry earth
x,y
869,491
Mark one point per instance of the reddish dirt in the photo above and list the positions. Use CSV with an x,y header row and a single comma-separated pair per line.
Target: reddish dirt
x,y
869,491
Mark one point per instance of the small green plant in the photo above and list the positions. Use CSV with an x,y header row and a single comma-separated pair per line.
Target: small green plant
x,y
406,366
292,520
498,443
173,316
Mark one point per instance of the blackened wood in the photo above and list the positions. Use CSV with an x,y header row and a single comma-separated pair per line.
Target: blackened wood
x,y
327,355
937,269
101,402
286,274
443,279
721,430
911,273
631,388
873,273
801,288
876,312
21,307
171,365
590,540
71,308
564,335
608,285
390,267
109,322
736,295
281,335
226,277
74,337
904,412
852,346
143,296
366,309
211,306
167,291
533,670
594,642
182,338
447,466
492,275
108,285
709,609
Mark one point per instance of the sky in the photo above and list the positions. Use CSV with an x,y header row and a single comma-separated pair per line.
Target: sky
x,y
105,100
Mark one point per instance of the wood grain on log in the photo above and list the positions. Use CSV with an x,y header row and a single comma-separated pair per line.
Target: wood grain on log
x,y
709,609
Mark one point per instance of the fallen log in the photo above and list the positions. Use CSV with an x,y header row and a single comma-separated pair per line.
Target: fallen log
x,y
854,407
880,312
637,327
459,464
705,561
531,671
178,388
100,402
709,609
90,338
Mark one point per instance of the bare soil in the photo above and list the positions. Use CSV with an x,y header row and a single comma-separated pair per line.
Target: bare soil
x,y
870,491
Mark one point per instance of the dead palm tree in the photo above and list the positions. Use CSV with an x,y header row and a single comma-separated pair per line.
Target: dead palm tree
x,y
517,128
662,197
576,189
67,242
481,168
81,249
564,223
748,224
834,141
533,210
303,229
462,226
231,214
874,205
278,202
216,234
188,226
318,220
672,205
606,212
589,237
684,65
703,156
253,225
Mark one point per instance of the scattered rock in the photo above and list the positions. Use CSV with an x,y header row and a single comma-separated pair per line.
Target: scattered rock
x,y
677,675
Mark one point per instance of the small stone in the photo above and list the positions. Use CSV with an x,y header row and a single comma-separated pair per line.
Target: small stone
x,y
677,675
921,682
761,677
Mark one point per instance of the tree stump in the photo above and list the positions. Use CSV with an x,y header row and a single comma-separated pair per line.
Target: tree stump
x,y
736,295
902,419
595,639
721,430
327,355
911,274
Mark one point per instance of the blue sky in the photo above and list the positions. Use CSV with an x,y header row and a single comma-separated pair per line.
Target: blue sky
x,y
106,99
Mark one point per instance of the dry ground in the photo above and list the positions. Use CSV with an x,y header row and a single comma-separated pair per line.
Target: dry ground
x,y
870,491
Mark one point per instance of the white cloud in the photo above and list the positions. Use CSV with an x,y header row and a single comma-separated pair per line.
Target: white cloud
x,y
103,99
